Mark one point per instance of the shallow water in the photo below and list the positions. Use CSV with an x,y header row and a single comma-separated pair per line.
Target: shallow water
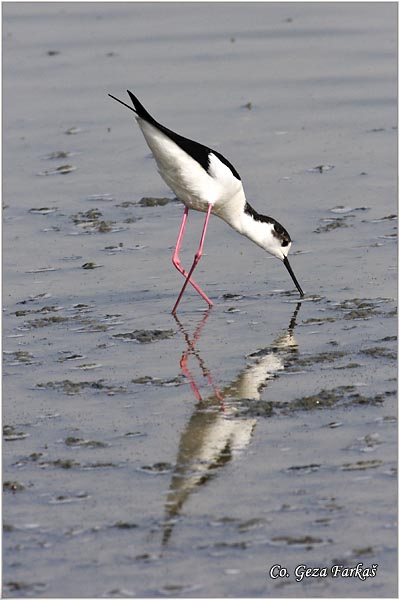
x,y
151,456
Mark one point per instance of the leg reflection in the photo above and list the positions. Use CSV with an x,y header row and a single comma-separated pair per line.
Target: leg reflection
x,y
218,429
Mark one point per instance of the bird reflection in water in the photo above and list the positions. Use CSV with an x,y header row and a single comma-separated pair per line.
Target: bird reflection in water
x,y
216,432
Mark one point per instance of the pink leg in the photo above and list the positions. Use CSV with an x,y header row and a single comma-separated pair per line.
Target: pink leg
x,y
175,258
177,262
195,261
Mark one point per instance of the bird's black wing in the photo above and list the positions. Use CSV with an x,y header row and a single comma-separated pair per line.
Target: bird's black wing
x,y
197,151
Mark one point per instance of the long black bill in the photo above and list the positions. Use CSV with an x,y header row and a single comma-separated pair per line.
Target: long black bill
x,y
292,275
120,101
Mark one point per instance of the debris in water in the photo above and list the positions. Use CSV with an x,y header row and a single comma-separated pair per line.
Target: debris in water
x,y
362,465
58,155
100,198
44,210
61,170
88,366
321,169
69,356
377,352
41,296
79,442
10,434
150,201
42,270
158,468
346,209
90,265
13,486
145,336
148,380
331,225
72,388
73,130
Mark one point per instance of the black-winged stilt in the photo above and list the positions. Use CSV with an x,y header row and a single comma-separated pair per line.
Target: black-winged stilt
x,y
205,180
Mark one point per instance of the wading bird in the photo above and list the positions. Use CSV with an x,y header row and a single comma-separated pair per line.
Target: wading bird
x,y
204,180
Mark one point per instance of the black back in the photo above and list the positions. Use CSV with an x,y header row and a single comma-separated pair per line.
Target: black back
x,y
197,151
